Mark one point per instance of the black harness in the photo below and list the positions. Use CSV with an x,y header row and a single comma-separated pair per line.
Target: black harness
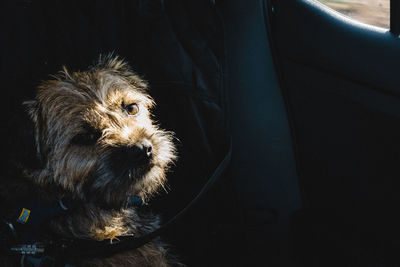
x,y
21,232
22,236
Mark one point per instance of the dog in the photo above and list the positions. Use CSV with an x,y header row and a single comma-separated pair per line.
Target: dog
x,y
98,146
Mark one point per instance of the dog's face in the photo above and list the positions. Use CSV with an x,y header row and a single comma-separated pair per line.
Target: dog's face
x,y
95,135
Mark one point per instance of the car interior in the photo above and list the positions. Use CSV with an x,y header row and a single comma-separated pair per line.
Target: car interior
x,y
305,100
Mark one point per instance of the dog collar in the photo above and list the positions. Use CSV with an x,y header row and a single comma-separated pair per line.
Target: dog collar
x,y
36,212
135,201
25,236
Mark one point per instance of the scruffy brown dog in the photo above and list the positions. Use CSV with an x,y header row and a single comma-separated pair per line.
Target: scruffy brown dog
x,y
99,146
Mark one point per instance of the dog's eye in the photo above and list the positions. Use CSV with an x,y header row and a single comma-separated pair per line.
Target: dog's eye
x,y
132,109
86,139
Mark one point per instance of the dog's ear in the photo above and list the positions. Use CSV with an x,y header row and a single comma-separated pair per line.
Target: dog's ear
x,y
34,112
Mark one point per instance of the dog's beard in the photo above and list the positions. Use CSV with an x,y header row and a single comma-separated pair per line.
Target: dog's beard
x,y
136,173
142,179
112,188
114,177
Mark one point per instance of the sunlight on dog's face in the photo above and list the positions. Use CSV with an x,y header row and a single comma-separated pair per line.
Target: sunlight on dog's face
x,y
95,135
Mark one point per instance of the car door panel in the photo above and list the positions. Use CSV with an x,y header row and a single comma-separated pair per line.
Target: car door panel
x,y
341,84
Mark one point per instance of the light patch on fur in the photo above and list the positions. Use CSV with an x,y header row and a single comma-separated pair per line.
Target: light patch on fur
x,y
126,132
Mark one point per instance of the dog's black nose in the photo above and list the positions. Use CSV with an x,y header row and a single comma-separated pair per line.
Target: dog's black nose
x,y
134,156
140,153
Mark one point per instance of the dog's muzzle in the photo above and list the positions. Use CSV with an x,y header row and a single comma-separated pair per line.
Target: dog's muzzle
x,y
133,161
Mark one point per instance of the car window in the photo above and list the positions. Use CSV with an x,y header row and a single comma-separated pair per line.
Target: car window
x,y
374,12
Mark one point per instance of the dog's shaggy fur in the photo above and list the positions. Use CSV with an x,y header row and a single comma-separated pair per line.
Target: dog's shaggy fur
x,y
98,145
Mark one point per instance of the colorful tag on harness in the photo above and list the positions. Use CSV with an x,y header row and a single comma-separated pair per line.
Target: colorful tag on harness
x,y
24,216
